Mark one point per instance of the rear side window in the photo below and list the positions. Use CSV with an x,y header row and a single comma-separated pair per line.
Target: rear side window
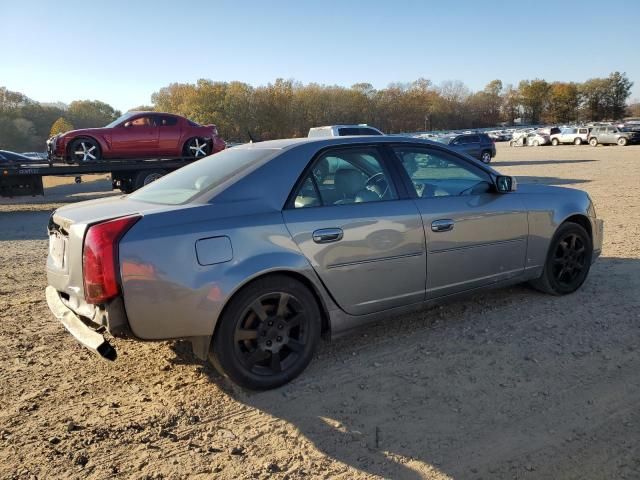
x,y
202,176
166,121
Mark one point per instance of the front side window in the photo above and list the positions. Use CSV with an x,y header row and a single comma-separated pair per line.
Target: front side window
x,y
146,121
346,176
434,173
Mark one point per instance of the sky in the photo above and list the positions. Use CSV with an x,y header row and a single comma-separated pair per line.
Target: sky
x,y
120,52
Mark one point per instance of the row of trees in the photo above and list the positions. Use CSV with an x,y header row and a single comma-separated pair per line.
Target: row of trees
x,y
287,108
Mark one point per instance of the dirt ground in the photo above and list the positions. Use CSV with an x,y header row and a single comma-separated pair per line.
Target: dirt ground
x,y
505,384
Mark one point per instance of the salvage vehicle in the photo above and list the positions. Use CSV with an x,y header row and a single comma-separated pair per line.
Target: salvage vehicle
x,y
611,135
343,130
478,145
575,135
136,135
254,253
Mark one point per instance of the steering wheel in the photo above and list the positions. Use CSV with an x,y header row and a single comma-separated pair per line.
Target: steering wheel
x,y
378,184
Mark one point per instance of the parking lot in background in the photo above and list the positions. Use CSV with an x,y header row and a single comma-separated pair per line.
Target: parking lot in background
x,y
510,383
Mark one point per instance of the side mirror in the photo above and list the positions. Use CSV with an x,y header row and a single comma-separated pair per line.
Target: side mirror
x,y
505,184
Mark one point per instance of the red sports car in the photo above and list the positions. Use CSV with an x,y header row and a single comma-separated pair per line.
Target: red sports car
x,y
137,135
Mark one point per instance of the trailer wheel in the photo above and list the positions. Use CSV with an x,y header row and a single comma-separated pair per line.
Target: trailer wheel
x,y
145,177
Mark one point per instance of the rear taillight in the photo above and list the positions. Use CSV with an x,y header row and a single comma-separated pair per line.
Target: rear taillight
x,y
100,258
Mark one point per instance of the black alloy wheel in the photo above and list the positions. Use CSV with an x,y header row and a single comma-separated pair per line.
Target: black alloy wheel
x,y
568,261
268,334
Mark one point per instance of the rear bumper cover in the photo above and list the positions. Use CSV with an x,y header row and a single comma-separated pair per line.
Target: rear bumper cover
x,y
83,333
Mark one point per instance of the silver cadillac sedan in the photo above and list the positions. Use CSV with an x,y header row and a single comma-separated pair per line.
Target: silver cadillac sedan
x,y
255,252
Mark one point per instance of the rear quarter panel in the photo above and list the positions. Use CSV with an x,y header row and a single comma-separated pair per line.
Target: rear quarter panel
x,y
168,294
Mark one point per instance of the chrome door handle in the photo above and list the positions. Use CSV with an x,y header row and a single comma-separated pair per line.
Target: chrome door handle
x,y
327,235
444,225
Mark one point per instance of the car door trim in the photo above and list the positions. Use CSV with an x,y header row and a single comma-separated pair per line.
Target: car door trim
x,y
475,245
372,260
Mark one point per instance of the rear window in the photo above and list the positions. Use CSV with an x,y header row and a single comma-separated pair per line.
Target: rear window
x,y
202,176
357,131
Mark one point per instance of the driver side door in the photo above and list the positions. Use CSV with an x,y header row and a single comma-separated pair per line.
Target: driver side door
x,y
475,236
137,136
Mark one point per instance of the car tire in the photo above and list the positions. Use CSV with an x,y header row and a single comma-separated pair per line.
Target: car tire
x,y
84,150
536,143
555,142
568,261
593,142
196,147
145,177
512,143
485,156
577,141
622,142
267,333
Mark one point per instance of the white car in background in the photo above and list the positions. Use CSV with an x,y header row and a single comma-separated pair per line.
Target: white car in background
x,y
536,139
343,130
575,135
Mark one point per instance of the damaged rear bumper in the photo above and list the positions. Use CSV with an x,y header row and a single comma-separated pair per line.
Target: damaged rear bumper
x,y
83,332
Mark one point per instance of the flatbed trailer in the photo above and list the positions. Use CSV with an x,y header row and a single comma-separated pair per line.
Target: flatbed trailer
x,y
127,175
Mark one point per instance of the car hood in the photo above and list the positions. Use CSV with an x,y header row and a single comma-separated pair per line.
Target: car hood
x,y
543,189
84,131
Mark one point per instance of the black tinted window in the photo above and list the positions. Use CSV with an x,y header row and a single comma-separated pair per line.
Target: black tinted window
x,y
349,131
166,121
368,131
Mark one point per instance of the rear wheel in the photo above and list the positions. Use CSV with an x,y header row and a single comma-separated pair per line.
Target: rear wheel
x,y
577,141
84,150
593,142
486,156
267,334
568,261
555,142
622,141
197,147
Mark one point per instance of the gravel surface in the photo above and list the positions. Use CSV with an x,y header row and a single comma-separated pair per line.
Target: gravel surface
x,y
507,384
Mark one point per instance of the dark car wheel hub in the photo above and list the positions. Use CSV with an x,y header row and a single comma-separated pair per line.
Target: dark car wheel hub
x,y
271,334
569,259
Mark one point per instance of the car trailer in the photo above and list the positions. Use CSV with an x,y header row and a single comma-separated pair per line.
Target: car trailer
x,y
127,175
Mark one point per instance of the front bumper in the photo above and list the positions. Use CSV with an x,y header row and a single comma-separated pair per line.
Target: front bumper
x,y
82,331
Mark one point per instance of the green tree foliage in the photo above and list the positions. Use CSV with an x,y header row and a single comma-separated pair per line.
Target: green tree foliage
x,y
534,98
91,113
61,125
564,101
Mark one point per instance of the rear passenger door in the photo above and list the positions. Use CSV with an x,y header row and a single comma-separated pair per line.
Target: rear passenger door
x,y
365,241
169,135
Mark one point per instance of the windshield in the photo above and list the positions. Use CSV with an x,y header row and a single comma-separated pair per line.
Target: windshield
x,y
204,175
120,119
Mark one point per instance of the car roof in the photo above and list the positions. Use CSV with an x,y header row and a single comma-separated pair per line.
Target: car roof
x,y
286,143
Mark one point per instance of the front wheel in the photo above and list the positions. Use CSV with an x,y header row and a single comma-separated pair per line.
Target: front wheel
x,y
568,261
267,334
536,143
622,141
486,156
577,141
83,150
555,142
593,142
197,148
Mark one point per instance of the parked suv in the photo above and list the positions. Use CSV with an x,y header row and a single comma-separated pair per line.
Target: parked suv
x,y
343,130
477,145
577,136
610,134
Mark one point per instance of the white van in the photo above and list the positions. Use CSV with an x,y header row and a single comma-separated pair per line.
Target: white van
x,y
343,130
